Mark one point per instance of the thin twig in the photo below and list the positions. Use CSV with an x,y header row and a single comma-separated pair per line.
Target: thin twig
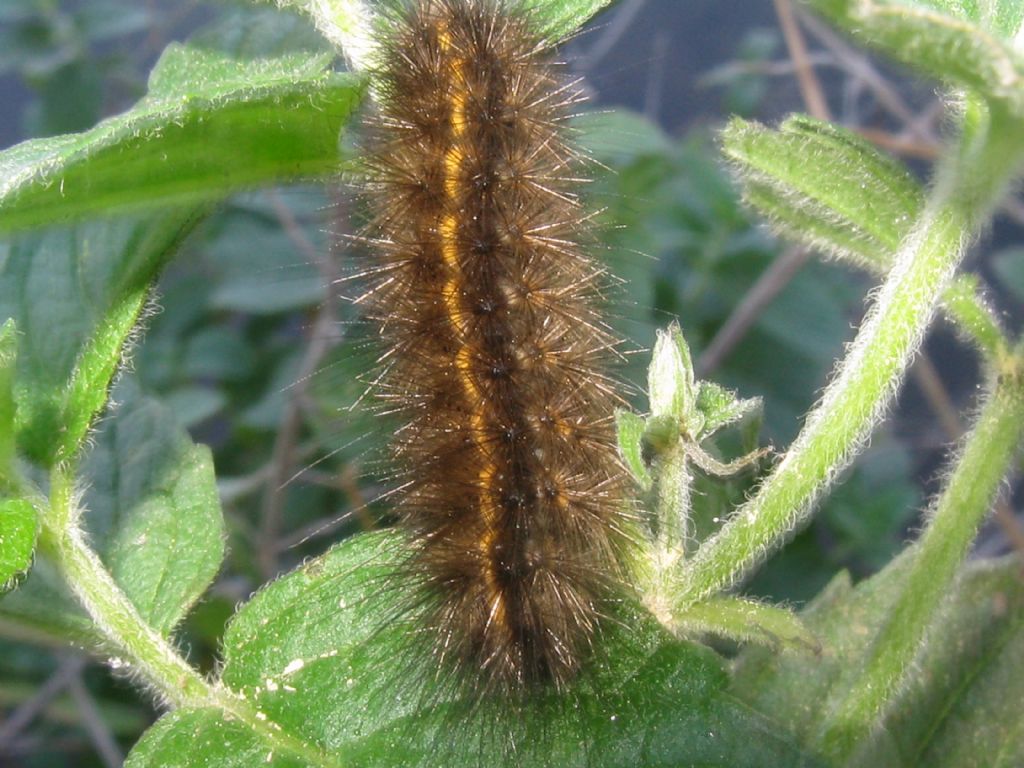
x,y
616,28
100,735
927,378
32,745
69,668
771,283
901,145
859,66
320,343
773,68
656,77
810,87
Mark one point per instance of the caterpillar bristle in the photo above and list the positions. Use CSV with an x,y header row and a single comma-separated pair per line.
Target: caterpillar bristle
x,y
495,352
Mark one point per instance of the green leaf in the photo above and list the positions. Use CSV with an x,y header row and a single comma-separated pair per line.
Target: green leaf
x,y
1000,16
560,18
220,354
18,530
349,23
952,712
205,738
955,712
8,359
745,620
249,249
76,296
720,406
631,432
193,405
338,681
619,137
923,35
822,185
209,125
154,510
670,381
825,187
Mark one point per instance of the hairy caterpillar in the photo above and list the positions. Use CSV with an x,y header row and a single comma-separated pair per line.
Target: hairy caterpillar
x,y
510,483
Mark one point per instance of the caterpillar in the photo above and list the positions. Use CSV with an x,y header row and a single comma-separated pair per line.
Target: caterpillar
x,y
495,357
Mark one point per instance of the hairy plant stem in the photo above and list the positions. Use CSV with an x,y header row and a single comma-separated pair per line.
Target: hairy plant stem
x,y
984,461
672,516
966,308
143,648
126,633
970,180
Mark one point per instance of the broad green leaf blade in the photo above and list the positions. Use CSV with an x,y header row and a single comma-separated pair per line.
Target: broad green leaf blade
x,y
328,664
250,249
822,185
952,42
953,712
957,711
76,296
154,510
205,738
18,530
209,125
793,689
744,620
8,360
349,23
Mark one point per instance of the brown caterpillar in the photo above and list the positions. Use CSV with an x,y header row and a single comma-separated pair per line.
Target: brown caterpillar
x,y
511,488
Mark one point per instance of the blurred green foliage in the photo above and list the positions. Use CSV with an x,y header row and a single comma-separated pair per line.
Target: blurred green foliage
x,y
228,339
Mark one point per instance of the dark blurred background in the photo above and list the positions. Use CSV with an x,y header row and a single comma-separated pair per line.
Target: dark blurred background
x,y
299,466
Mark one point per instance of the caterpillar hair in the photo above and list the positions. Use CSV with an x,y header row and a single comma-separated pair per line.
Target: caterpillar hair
x,y
510,486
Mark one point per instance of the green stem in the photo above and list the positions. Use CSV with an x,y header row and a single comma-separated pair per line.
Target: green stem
x,y
673,499
124,629
672,520
969,181
973,317
981,467
141,647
